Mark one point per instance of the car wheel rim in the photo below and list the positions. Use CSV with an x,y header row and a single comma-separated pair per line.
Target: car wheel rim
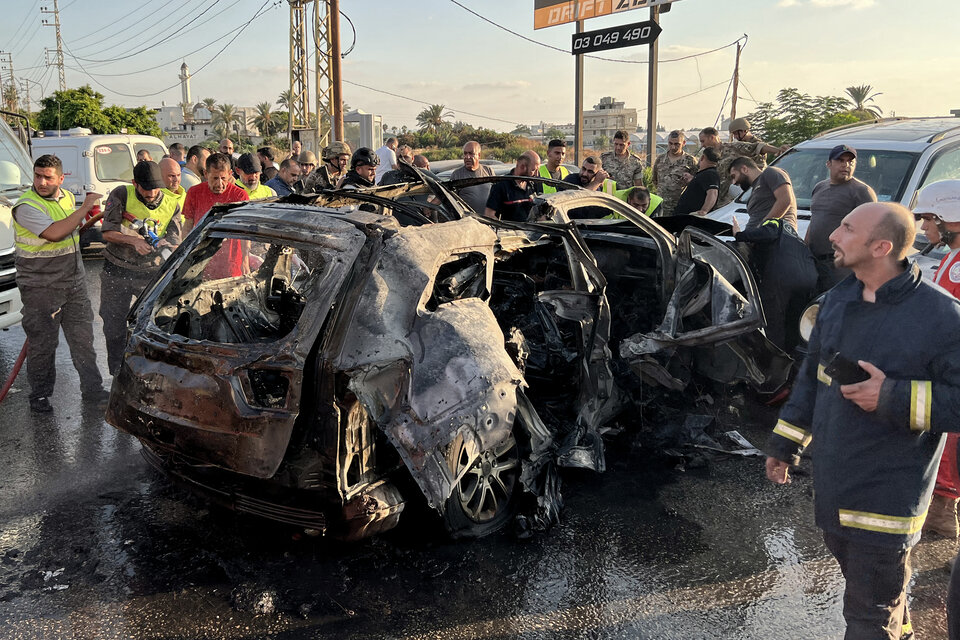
x,y
486,486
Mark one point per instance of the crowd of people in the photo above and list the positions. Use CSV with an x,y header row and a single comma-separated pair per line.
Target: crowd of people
x,y
878,411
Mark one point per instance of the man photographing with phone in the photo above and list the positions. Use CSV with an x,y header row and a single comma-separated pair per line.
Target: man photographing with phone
x,y
878,441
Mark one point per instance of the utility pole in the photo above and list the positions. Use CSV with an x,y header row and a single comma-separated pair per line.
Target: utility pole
x,y
7,65
578,100
652,91
335,76
25,86
322,47
56,24
736,82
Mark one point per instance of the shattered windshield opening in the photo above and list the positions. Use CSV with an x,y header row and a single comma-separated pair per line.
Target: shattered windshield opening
x,y
236,291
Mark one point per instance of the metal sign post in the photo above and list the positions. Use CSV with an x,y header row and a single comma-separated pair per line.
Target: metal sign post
x,y
578,98
652,78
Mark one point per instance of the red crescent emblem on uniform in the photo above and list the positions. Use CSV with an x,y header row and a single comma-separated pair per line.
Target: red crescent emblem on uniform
x,y
955,272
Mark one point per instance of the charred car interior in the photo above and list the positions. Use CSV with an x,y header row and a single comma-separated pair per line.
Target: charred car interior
x,y
324,360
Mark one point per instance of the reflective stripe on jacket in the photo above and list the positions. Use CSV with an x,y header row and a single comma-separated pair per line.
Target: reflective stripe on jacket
x,y
874,471
161,215
30,245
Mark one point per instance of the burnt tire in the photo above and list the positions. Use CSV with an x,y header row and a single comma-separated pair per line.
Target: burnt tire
x,y
485,499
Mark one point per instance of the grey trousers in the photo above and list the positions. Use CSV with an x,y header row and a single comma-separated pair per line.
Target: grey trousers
x,y
875,597
45,312
118,288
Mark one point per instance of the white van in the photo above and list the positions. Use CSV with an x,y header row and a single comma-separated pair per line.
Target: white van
x,y
95,162
16,176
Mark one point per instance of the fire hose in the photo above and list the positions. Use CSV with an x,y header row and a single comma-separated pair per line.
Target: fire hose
x,y
23,352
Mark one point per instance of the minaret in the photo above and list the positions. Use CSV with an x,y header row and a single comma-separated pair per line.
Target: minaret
x,y
185,102
185,83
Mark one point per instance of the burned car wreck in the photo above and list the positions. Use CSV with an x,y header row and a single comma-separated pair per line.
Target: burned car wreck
x,y
370,357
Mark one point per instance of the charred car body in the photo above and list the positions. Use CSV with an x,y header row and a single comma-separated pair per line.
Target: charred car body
x,y
372,356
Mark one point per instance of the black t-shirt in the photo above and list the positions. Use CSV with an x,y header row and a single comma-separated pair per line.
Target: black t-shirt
x,y
510,201
695,194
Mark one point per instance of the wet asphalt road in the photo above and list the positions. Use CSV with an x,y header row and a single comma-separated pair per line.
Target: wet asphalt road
x,y
95,545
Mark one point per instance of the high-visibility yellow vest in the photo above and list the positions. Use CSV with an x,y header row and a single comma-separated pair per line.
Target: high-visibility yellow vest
x,y
545,173
161,215
179,195
30,245
623,194
262,191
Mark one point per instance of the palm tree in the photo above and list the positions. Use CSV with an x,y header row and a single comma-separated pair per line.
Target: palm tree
x,y
284,99
264,120
859,96
210,104
223,119
432,118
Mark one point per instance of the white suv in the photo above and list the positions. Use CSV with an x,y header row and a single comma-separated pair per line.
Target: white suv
x,y
16,175
895,156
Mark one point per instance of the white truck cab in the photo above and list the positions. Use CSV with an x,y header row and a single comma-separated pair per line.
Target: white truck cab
x,y
16,176
97,163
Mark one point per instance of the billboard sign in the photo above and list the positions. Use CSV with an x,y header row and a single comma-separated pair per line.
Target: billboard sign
x,y
549,13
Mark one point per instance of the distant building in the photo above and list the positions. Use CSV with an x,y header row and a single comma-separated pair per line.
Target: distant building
x,y
606,118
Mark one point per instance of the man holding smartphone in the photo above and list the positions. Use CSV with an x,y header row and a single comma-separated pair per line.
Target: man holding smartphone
x,y
879,440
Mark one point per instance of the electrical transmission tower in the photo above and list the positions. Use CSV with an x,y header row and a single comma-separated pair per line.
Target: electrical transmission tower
x,y
329,104
56,24
8,89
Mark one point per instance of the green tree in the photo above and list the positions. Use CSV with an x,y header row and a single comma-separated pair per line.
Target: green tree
x,y
521,130
225,116
601,142
81,107
554,133
434,117
265,121
139,120
284,99
796,117
11,98
859,96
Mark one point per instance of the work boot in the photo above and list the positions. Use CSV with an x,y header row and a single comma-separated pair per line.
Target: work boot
x,y
98,397
942,517
40,405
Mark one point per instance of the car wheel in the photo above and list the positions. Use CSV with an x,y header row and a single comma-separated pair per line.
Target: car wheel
x,y
484,500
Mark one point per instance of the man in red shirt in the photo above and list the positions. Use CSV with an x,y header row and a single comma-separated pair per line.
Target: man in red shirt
x,y
233,257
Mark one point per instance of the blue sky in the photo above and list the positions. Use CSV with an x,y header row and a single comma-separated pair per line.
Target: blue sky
x,y
434,51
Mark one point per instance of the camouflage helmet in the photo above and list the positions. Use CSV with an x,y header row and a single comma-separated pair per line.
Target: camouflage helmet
x,y
307,157
740,124
336,148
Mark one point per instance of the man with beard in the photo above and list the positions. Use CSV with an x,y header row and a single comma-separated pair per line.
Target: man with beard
x,y
668,171
592,177
250,169
52,283
336,157
130,260
772,195
877,410
192,172
512,199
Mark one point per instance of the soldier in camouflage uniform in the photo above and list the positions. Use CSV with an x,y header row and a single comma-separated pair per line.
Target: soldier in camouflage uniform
x,y
668,171
730,151
624,167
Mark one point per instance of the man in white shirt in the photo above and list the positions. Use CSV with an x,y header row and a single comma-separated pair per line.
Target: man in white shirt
x,y
388,158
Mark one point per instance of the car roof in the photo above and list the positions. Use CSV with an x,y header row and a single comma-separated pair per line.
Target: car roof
x,y
903,134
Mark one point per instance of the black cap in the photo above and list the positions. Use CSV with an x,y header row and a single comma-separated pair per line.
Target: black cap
x,y
147,175
249,163
841,149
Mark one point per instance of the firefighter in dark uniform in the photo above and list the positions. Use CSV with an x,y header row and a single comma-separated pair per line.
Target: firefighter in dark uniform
x,y
878,440
50,277
131,258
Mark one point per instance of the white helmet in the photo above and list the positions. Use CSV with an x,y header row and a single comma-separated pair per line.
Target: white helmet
x,y
942,199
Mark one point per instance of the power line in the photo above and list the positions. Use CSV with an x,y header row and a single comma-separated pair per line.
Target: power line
x,y
123,29
20,29
258,13
402,97
125,55
550,46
